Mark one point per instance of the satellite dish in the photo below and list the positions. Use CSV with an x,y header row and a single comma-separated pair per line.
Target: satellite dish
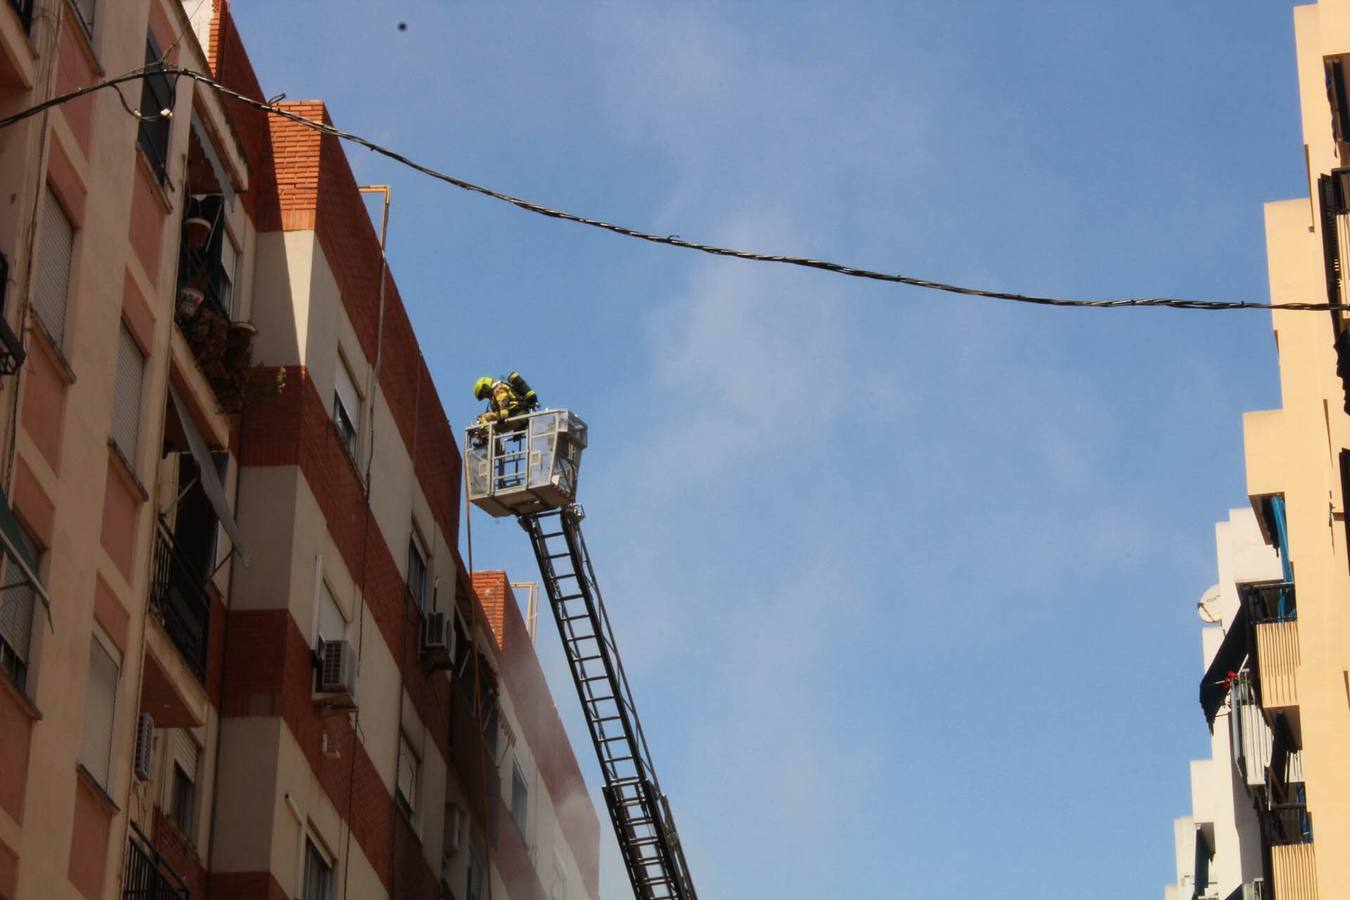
x,y
1207,608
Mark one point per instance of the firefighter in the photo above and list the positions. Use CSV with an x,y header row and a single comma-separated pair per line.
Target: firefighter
x,y
506,398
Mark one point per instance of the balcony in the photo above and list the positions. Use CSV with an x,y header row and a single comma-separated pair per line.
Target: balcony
x,y
179,601
1252,890
148,876
24,10
1272,615
1286,823
1293,872
207,264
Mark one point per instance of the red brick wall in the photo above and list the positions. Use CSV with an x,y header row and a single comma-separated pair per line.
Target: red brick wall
x,y
179,853
271,674
295,429
246,886
538,717
231,66
311,187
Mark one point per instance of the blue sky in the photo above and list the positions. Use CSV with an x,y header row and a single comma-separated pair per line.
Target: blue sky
x,y
905,583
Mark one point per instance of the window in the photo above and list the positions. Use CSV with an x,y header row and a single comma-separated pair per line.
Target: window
x,y
17,599
318,874
520,796
417,574
85,8
409,774
100,703
332,623
182,800
156,96
51,288
126,423
183,754
477,874
347,408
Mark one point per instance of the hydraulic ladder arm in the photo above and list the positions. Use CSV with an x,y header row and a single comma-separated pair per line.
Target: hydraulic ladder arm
x,y
643,824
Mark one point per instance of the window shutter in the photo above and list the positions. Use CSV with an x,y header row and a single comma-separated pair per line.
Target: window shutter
x,y
100,703
332,624
126,423
16,613
51,291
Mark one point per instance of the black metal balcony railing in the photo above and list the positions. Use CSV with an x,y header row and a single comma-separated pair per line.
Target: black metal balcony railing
x,y
1271,602
24,8
179,601
1286,823
148,875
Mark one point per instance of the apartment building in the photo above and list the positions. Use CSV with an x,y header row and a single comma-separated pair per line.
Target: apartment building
x,y
240,656
1218,845
1283,666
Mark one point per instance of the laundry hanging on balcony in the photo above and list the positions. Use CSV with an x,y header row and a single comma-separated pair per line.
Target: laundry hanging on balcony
x,y
210,480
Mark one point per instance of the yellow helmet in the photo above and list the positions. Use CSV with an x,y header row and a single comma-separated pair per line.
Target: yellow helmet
x,y
482,388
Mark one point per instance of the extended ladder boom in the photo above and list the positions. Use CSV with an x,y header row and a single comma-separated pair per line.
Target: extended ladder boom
x,y
648,841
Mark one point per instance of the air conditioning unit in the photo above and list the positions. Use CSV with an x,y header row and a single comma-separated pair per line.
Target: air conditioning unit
x,y
337,669
438,640
145,746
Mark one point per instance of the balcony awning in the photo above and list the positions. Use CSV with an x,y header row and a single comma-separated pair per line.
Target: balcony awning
x,y
16,551
206,465
1233,650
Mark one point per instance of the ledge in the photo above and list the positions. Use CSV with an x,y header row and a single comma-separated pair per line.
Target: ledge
x,y
21,698
99,792
128,471
51,346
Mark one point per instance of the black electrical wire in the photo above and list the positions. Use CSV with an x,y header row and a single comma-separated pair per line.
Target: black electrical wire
x,y
671,240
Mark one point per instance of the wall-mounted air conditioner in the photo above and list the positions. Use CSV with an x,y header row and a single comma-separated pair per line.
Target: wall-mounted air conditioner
x,y
336,675
438,640
145,746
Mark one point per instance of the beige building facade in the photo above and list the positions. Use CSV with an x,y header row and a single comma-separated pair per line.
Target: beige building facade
x,y
1284,663
240,656
1218,845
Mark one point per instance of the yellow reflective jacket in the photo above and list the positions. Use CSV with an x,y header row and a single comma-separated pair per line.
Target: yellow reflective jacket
x,y
503,404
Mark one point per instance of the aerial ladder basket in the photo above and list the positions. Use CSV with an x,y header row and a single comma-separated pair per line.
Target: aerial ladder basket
x,y
527,467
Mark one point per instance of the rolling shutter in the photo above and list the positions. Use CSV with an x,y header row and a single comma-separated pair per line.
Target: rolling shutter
x,y
51,291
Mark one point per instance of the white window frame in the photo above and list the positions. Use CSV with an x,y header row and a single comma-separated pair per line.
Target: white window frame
x,y
182,753
314,849
348,421
520,797
408,757
418,548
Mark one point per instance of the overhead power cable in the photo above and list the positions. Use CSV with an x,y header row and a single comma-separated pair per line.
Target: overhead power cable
x,y
671,240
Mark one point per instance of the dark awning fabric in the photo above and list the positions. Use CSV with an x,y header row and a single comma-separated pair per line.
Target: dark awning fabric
x,y
206,465
17,552
1231,653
